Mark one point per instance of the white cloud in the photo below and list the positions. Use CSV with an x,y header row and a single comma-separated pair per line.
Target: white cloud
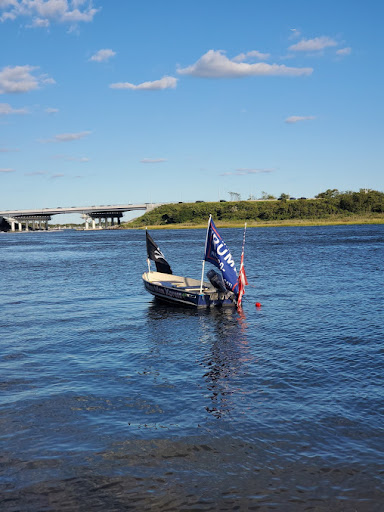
x,y
36,173
6,4
295,33
39,23
18,79
167,82
7,170
76,15
153,160
66,158
78,3
45,79
215,64
59,175
9,150
43,12
245,172
102,55
313,45
6,109
51,110
67,137
344,51
254,54
297,119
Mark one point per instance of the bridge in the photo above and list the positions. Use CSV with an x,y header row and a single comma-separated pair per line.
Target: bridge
x,y
24,220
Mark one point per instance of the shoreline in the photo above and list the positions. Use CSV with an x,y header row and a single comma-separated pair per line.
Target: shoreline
x,y
270,224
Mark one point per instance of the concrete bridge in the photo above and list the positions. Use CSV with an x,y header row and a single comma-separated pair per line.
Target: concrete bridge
x,y
24,220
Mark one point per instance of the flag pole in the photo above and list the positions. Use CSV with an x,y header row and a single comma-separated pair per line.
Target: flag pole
x,y
205,250
148,260
245,229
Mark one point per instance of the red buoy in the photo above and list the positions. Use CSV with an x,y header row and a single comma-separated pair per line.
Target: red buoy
x,y
258,305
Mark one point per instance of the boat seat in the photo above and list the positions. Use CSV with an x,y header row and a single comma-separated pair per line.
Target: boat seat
x,y
180,286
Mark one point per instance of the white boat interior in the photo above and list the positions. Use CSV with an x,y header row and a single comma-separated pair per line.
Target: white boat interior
x,y
182,283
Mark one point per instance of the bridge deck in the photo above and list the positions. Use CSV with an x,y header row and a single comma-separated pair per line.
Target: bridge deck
x,y
110,208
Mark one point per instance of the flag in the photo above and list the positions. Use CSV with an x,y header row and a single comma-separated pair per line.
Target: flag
x,y
242,281
157,256
217,253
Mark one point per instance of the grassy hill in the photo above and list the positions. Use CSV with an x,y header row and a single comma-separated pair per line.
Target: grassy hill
x,y
334,207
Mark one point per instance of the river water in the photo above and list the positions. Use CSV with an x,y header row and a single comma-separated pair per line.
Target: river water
x,y
111,401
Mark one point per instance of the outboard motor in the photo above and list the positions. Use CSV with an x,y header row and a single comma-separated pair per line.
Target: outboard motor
x,y
216,280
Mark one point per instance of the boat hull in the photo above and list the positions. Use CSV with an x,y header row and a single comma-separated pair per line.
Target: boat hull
x,y
185,291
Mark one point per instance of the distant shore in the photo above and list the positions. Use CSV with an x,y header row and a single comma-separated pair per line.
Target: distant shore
x,y
327,209
379,219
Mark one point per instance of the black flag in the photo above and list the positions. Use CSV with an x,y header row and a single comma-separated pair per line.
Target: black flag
x,y
157,256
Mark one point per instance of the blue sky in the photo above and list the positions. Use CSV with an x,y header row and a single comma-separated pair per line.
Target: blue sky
x,y
109,102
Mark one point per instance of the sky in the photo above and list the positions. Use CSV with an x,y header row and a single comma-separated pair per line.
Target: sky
x,y
116,101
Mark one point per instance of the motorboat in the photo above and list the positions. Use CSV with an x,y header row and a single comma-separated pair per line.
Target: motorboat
x,y
225,289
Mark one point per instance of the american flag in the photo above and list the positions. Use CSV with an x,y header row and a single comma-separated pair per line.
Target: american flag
x,y
243,281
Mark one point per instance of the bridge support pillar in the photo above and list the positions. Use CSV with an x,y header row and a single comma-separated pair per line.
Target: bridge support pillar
x,y
93,224
30,222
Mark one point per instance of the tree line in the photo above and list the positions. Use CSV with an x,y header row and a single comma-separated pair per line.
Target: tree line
x,y
328,204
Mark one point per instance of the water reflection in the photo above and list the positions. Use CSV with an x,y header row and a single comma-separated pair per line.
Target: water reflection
x,y
226,360
219,344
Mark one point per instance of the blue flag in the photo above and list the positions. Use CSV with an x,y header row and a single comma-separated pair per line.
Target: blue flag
x,y
217,253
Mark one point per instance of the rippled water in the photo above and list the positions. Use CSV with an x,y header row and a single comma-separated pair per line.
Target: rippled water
x,y
111,401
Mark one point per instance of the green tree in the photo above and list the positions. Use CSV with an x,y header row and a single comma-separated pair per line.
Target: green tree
x,y
266,195
328,194
235,196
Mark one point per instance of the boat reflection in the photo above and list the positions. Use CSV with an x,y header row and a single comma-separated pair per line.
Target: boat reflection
x,y
218,340
226,361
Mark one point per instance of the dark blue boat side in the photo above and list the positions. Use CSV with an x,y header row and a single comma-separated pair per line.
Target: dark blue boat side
x,y
185,291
